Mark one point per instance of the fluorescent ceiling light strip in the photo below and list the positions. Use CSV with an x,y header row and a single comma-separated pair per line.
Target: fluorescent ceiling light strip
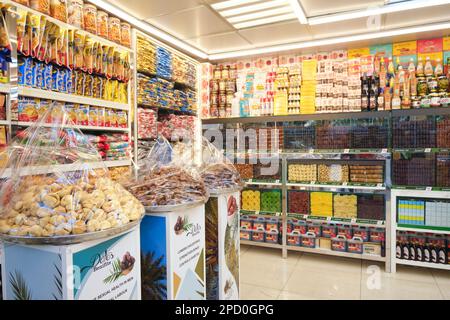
x,y
298,11
252,8
330,41
149,28
259,22
231,3
261,14
390,8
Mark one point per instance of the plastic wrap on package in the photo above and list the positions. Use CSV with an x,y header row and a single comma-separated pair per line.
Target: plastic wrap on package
x,y
69,197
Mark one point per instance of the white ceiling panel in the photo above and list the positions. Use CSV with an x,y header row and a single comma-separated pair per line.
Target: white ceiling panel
x,y
417,17
320,7
143,9
192,23
361,25
276,33
221,42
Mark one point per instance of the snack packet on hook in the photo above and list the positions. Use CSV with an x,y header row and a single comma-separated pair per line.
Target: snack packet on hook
x,y
163,181
56,184
217,172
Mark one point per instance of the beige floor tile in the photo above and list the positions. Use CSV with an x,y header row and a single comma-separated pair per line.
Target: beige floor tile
x,y
286,295
251,292
400,289
263,255
403,272
244,249
324,284
442,278
256,269
322,262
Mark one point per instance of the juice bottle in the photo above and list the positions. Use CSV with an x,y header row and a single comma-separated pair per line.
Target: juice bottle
x,y
419,71
428,70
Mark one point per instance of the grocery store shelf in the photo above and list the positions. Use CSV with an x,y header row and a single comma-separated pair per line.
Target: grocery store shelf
x,y
51,95
260,213
337,186
424,229
262,244
4,123
177,85
353,221
166,109
262,183
338,253
5,88
300,117
87,128
70,27
294,153
36,170
423,264
331,116
420,112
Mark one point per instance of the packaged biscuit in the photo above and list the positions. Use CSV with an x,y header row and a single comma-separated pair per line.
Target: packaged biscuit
x,y
122,120
83,115
61,81
75,13
111,118
125,34
58,9
48,79
39,75
69,81
126,67
79,83
41,5
102,24
122,92
88,85
117,66
101,117
97,88
90,18
93,116
72,113
88,65
27,108
114,29
110,63
55,79
104,63
42,108
28,70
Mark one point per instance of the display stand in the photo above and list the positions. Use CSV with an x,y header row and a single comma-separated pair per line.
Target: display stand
x,y
222,245
173,253
105,269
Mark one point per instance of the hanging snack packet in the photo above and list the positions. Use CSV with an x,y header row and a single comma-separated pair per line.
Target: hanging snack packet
x,y
58,10
88,55
60,203
41,6
26,40
78,50
21,29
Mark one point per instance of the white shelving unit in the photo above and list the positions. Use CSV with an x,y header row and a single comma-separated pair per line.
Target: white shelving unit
x,y
71,98
338,253
336,186
88,128
395,193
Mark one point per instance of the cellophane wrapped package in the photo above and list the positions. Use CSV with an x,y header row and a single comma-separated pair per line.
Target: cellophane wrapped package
x,y
165,179
217,172
53,187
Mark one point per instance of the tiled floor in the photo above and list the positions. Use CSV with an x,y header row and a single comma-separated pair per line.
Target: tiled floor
x,y
266,276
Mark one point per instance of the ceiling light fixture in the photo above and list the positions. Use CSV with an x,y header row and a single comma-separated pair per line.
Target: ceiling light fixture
x,y
253,8
259,22
260,14
329,41
139,24
231,3
389,8
301,16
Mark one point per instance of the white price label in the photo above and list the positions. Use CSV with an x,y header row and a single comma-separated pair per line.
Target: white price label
x,y
429,188
379,223
313,182
277,181
379,185
344,184
428,150
346,150
311,150
384,150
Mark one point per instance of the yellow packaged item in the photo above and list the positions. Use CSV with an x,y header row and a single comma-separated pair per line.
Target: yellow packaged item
x,y
322,204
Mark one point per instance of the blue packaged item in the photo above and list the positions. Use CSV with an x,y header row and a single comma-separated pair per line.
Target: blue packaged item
x,y
48,73
29,72
55,79
308,240
294,238
259,223
61,81
246,234
39,76
259,235
272,236
339,243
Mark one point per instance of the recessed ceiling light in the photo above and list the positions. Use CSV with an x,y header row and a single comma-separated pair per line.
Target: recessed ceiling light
x,y
298,11
260,14
389,8
258,22
253,8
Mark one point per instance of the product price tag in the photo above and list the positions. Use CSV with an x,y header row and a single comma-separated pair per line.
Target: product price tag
x,y
329,219
429,189
428,150
312,182
379,185
277,181
380,223
311,150
346,150
384,150
344,184
333,189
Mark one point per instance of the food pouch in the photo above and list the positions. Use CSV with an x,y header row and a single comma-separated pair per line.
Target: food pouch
x,y
41,6
75,13
58,9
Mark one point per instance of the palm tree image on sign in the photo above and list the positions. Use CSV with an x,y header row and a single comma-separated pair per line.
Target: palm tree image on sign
x,y
153,277
19,286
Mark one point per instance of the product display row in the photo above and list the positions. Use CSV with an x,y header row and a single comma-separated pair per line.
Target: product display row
x,y
86,16
423,247
31,109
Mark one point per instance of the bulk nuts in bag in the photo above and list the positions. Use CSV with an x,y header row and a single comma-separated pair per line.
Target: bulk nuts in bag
x,y
60,203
